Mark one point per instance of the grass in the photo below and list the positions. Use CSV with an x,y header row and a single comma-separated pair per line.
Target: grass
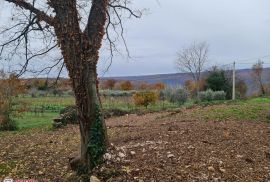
x,y
257,109
30,120
241,110
60,101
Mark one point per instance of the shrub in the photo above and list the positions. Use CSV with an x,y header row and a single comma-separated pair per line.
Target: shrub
x,y
10,87
69,115
241,89
219,95
159,86
218,80
176,95
207,95
145,98
109,84
210,95
143,86
7,124
117,93
126,85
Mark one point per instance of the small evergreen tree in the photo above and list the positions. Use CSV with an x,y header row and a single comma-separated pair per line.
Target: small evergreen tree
x,y
217,80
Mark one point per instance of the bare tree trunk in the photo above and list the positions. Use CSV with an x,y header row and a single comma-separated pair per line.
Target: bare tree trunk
x,y
262,87
81,53
81,61
80,50
92,125
260,82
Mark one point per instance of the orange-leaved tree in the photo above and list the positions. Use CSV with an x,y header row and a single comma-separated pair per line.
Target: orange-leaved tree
x,y
10,87
126,85
145,98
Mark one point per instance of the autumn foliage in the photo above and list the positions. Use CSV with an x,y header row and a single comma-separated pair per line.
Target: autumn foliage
x,y
126,85
190,86
10,86
143,86
145,98
159,86
109,84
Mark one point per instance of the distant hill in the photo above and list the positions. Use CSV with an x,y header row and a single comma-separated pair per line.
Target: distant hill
x,y
179,78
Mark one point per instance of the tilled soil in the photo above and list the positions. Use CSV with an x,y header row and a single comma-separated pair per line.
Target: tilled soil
x,y
163,146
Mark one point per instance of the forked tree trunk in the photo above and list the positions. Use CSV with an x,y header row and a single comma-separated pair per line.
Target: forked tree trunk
x,y
81,61
80,50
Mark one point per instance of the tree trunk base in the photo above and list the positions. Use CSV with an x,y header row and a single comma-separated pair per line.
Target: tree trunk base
x,y
75,162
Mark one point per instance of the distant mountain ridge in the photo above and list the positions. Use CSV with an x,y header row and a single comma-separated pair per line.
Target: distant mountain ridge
x,y
180,78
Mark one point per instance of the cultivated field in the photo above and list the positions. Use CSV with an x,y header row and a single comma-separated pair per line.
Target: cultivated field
x,y
226,141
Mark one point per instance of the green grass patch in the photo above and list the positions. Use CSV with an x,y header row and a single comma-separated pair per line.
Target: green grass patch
x,y
241,110
257,109
31,120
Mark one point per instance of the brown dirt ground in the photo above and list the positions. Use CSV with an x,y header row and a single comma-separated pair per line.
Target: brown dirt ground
x,y
165,147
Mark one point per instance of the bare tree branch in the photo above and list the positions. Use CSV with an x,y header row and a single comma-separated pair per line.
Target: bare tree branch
x,y
42,16
192,59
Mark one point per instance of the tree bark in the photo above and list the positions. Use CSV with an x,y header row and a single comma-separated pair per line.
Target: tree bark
x,y
81,53
80,50
92,125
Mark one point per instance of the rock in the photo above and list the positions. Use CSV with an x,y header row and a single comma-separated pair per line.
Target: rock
x,y
222,170
132,153
94,179
216,179
57,124
170,128
170,156
122,155
107,156
211,168
239,156
249,160
191,147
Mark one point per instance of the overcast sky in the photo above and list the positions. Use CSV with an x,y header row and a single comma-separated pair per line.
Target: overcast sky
x,y
234,29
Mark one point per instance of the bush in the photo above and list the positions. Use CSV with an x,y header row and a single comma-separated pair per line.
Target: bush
x,y
176,95
117,93
69,115
210,95
7,124
218,80
241,89
219,95
10,87
126,85
207,95
145,98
